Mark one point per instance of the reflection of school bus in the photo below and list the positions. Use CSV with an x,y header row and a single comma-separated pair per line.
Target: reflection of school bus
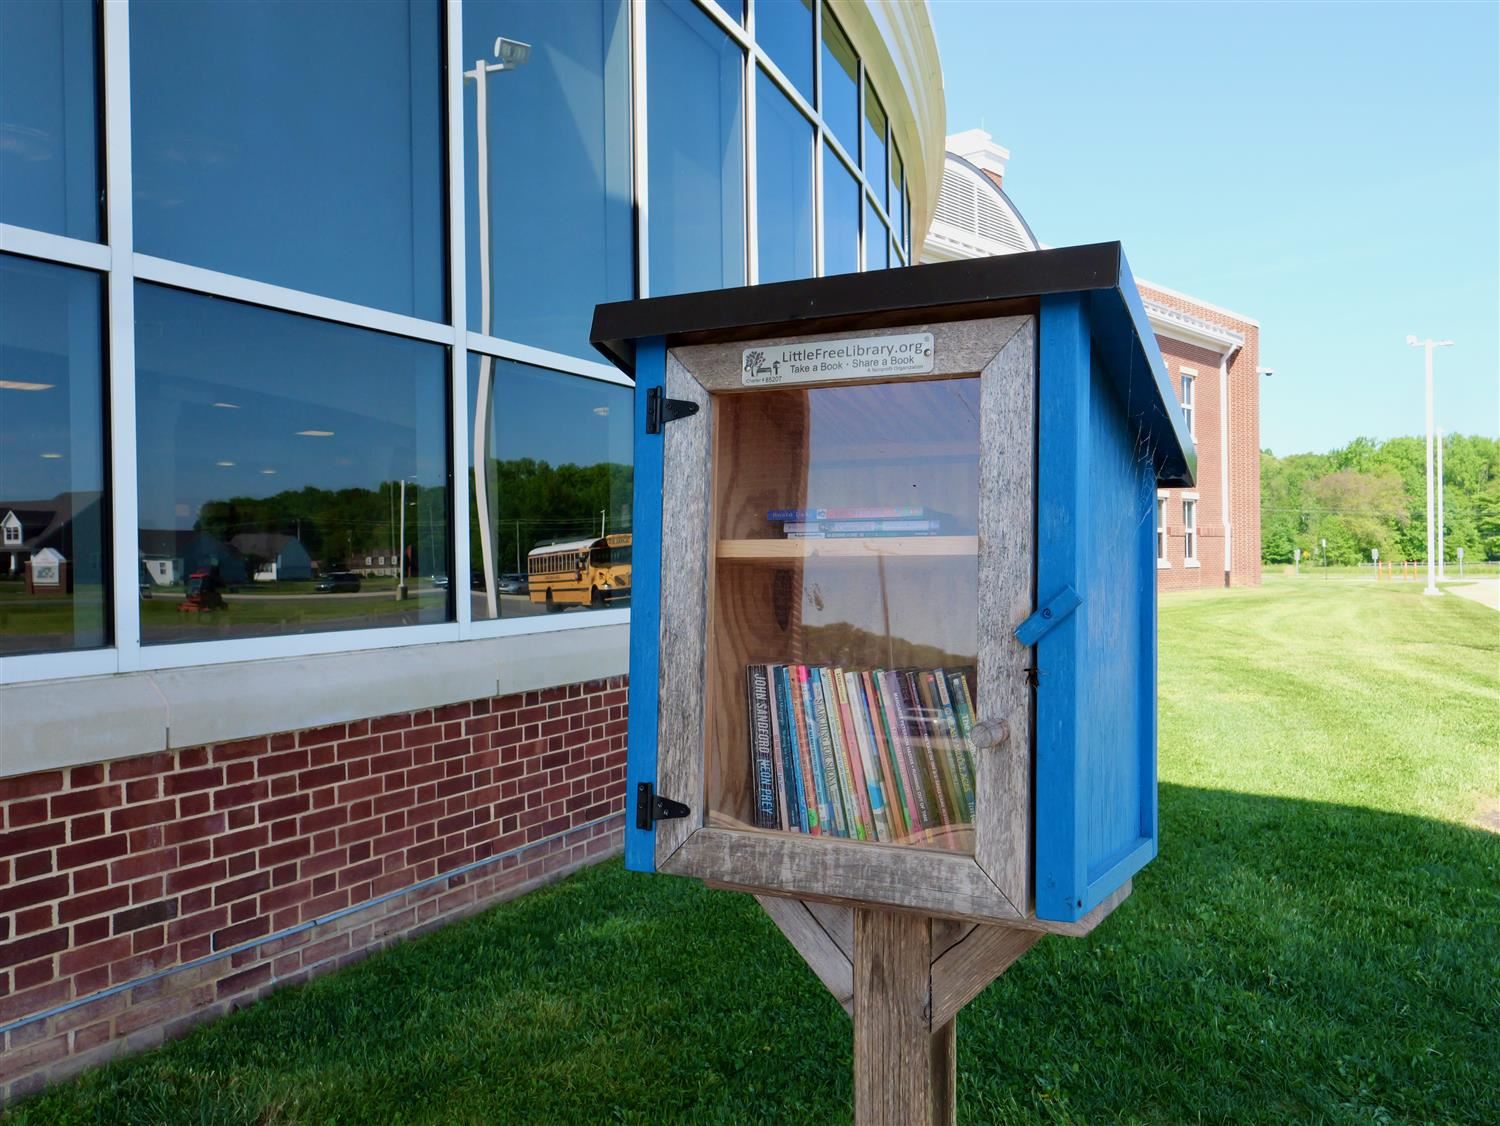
x,y
581,573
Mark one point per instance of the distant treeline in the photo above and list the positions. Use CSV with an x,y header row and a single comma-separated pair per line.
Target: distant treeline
x,y
535,503
336,525
1372,494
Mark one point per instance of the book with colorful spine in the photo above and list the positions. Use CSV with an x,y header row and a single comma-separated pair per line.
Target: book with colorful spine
x,y
877,755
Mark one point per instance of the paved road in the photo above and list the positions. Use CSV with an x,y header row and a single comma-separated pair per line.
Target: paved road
x,y
1484,591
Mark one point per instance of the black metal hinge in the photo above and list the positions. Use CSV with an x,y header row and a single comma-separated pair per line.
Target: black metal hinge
x,y
661,410
651,807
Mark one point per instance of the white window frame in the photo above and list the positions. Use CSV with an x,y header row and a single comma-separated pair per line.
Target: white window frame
x,y
1188,380
10,526
1163,561
1190,530
121,268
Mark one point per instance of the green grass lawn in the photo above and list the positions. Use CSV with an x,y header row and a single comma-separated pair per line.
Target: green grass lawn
x,y
1319,939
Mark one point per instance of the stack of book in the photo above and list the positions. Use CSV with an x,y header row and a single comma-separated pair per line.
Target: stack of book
x,y
853,523
876,755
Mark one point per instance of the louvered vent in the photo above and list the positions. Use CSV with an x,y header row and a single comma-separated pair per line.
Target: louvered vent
x,y
956,201
995,223
973,208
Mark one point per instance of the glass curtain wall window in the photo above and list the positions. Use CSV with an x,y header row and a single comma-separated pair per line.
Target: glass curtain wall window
x,y
273,449
548,184
696,162
874,150
841,206
784,30
293,474
784,188
49,135
897,206
54,548
877,240
297,144
549,517
840,106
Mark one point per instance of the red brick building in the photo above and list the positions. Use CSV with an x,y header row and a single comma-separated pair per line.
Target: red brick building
x,y
1209,535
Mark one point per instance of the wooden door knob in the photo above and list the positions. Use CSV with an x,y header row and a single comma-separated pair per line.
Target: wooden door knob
x,y
990,733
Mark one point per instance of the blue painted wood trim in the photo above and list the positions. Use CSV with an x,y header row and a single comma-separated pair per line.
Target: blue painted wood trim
x,y
1103,884
645,606
1064,388
1148,671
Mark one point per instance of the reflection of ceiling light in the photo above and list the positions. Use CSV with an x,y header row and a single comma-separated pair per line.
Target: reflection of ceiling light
x,y
269,472
228,406
50,457
223,464
315,433
601,411
22,385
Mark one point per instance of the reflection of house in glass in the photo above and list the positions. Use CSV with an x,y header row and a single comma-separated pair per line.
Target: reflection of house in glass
x,y
272,556
69,527
170,556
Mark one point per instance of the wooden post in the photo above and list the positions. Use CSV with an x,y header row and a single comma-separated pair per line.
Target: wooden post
x,y
904,1070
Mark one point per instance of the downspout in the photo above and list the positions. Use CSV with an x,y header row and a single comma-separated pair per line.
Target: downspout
x,y
1224,510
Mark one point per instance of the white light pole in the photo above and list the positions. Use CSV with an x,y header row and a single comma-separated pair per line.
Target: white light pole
x,y
511,55
401,558
401,555
1442,547
1429,344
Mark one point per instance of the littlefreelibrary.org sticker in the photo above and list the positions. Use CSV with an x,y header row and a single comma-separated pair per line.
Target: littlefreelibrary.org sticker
x,y
859,358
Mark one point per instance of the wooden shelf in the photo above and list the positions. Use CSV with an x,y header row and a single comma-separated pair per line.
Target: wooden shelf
x,y
871,547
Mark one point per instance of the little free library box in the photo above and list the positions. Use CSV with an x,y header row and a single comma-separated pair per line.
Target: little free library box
x,y
893,634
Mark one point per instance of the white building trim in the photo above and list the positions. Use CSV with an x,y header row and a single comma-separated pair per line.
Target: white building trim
x,y
1142,282
1177,325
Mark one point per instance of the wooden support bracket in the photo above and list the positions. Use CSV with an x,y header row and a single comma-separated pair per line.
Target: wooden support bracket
x,y
902,977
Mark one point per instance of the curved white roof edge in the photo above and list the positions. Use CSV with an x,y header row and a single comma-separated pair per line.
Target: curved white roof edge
x,y
896,41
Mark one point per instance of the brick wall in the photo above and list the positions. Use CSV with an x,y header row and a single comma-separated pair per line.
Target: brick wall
x,y
220,873
1244,454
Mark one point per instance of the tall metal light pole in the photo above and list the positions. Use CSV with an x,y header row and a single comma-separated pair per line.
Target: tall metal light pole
x,y
1429,344
1442,548
511,55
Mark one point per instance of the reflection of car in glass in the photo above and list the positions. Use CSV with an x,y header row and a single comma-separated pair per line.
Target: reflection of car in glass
x,y
512,582
440,581
337,581
581,573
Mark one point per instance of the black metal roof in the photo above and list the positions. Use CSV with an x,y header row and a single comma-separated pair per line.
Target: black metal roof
x,y
976,287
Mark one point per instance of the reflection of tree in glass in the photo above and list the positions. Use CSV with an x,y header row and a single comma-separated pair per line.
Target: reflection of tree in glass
x,y
540,503
339,528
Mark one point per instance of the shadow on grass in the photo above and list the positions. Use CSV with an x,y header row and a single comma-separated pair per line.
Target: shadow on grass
x,y
1280,960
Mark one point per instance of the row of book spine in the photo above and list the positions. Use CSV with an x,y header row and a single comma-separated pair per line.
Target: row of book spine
x,y
848,523
873,755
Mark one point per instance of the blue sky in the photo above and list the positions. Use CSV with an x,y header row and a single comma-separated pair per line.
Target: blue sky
x,y
1332,170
